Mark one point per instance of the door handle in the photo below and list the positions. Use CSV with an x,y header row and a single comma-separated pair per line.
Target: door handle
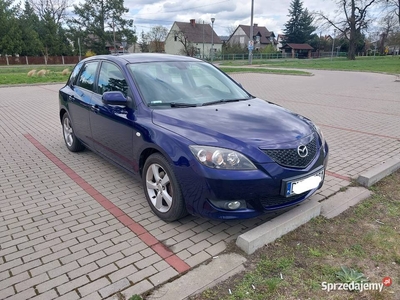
x,y
71,98
95,108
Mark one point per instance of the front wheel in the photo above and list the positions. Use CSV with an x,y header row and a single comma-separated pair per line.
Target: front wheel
x,y
162,190
71,141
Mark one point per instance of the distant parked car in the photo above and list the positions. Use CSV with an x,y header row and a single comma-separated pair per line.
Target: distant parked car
x,y
199,142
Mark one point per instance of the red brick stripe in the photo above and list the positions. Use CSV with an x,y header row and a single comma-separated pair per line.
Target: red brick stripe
x,y
162,250
359,131
337,175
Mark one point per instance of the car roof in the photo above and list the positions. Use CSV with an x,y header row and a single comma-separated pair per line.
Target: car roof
x,y
143,57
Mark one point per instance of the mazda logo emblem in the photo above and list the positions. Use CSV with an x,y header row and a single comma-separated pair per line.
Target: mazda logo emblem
x,y
302,151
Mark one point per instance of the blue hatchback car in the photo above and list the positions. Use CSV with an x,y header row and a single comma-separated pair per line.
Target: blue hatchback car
x,y
198,141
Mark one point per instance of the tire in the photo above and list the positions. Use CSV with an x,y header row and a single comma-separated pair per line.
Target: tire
x,y
162,189
71,141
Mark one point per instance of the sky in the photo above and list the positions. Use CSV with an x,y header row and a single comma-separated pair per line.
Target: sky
x,y
228,14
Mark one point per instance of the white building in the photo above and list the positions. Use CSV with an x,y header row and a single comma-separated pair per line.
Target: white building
x,y
192,39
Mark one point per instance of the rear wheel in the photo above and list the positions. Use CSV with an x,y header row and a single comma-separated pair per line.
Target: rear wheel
x,y
162,189
71,141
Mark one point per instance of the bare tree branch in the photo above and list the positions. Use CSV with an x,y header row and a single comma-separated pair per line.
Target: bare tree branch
x,y
55,8
351,20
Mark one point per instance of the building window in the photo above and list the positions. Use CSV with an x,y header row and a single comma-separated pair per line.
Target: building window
x,y
175,38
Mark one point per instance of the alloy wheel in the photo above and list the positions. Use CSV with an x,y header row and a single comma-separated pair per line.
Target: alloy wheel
x,y
159,187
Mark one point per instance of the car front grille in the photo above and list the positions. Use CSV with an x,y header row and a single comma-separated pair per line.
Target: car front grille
x,y
270,202
290,157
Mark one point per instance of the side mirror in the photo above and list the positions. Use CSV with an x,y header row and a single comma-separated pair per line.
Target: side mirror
x,y
114,98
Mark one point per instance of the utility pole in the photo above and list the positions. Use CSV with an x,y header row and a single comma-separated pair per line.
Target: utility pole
x,y
115,45
251,43
212,39
203,39
80,51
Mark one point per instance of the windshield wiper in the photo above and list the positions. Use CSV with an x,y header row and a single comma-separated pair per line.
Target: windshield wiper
x,y
177,104
223,101
173,104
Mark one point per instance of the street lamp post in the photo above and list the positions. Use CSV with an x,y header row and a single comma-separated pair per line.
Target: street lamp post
x,y
250,46
333,42
212,39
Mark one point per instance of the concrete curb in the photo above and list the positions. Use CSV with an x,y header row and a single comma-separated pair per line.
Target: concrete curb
x,y
227,265
205,276
377,173
341,201
266,233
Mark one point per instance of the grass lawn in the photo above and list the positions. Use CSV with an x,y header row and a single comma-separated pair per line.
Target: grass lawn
x,y
19,74
263,70
385,64
365,239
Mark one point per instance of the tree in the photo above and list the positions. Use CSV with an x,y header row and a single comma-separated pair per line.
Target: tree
x,y
269,49
54,9
144,43
10,34
48,35
394,39
387,26
188,48
231,29
393,6
315,42
299,27
29,24
92,19
156,37
351,21
233,49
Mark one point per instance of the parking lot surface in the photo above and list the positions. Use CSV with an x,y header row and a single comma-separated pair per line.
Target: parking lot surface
x,y
73,226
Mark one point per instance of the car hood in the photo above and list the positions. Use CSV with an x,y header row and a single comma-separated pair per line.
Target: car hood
x,y
236,125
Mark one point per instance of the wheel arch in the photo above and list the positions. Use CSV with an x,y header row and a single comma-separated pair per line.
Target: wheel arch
x,y
62,113
145,154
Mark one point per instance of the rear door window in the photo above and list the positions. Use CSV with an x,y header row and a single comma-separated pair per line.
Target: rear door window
x,y
87,77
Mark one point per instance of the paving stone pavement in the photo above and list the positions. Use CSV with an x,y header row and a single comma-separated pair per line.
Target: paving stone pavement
x,y
59,241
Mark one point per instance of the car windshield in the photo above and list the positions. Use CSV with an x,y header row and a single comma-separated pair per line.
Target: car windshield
x,y
184,84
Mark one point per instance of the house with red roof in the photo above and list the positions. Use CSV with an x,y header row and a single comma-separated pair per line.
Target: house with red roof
x,y
192,39
262,37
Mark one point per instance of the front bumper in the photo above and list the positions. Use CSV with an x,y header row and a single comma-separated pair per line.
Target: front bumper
x,y
260,189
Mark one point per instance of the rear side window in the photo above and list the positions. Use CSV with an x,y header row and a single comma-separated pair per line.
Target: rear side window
x,y
87,76
75,73
111,79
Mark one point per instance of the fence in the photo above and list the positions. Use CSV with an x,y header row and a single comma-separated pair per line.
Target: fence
x,y
38,60
328,54
243,56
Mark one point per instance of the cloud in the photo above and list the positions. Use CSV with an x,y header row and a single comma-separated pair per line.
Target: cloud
x,y
227,13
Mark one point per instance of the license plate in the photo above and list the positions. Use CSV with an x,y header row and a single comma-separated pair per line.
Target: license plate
x,y
304,184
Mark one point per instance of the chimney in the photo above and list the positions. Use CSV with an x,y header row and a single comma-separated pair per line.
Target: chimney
x,y
193,22
255,24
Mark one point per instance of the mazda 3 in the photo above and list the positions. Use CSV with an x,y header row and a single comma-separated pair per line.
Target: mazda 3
x,y
198,141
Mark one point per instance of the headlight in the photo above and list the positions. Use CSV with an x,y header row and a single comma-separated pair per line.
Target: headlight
x,y
220,158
